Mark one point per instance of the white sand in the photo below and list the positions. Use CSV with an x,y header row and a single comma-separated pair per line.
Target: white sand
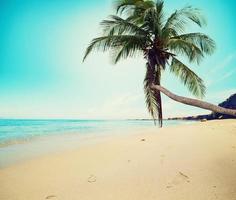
x,y
190,162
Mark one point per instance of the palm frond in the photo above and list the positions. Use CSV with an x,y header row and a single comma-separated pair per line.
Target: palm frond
x,y
97,44
153,98
150,18
159,6
130,49
153,18
178,20
185,48
204,42
146,12
173,24
132,7
143,5
188,78
159,17
114,42
122,5
117,25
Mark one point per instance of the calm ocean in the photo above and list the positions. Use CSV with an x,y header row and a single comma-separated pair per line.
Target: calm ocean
x,y
19,130
25,139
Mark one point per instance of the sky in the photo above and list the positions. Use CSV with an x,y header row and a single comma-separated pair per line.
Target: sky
x,y
42,74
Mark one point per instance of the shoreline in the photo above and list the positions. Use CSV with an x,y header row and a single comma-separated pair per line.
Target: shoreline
x,y
24,138
28,147
23,151
195,161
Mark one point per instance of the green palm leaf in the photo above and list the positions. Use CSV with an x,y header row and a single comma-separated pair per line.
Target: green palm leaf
x,y
117,25
122,5
204,42
188,77
133,6
114,42
186,48
131,48
180,18
153,97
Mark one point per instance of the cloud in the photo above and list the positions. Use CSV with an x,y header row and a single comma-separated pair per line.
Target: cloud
x,y
220,69
219,96
132,105
222,78
120,106
172,108
231,57
227,75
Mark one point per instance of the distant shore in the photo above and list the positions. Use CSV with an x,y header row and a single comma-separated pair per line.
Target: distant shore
x,y
196,161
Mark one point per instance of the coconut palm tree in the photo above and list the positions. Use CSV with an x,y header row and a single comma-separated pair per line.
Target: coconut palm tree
x,y
141,28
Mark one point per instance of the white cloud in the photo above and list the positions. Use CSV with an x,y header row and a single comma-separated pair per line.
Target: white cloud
x,y
231,57
220,69
219,96
222,78
119,106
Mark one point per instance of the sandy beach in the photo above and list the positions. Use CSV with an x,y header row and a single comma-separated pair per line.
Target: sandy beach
x,y
196,162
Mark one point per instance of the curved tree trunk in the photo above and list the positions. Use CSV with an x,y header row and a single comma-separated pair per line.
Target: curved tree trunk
x,y
194,102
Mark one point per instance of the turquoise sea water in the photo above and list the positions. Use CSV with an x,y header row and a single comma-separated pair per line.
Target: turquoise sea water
x,y
20,130
26,139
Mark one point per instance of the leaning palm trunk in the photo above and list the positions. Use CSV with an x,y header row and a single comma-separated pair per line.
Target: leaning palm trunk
x,y
141,27
194,102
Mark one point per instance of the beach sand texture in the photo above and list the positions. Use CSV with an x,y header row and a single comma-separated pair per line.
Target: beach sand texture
x,y
188,162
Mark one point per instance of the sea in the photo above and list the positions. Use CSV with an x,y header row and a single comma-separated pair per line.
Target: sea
x,y
22,139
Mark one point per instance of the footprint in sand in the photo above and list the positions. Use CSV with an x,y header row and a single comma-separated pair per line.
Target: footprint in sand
x,y
92,179
179,179
184,175
51,197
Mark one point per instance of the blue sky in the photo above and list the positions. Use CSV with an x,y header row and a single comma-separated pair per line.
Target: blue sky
x,y
42,74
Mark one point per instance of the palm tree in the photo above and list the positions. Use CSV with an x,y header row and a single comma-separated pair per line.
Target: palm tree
x,y
140,27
